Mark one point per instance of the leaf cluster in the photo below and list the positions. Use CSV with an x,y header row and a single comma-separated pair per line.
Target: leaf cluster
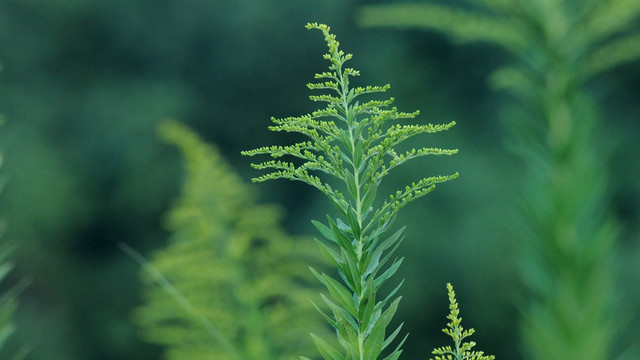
x,y
356,142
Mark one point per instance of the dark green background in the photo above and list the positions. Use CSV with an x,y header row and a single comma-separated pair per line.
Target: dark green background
x,y
85,83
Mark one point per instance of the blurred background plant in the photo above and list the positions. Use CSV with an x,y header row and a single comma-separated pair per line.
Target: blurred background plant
x,y
85,84
9,296
8,306
568,242
231,284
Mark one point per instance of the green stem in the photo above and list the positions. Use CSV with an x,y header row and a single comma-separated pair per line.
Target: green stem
x,y
358,200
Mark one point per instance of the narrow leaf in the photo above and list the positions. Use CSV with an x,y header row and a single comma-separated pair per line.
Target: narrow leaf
x,y
328,253
324,230
327,317
344,139
388,273
394,355
327,352
341,238
340,294
353,222
369,300
351,184
391,310
387,243
373,345
354,272
357,154
317,275
391,337
370,196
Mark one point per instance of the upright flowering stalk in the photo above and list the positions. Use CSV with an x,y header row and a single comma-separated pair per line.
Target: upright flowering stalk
x,y
356,143
461,350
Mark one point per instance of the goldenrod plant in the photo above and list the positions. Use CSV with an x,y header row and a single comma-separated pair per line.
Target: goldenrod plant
x,y
558,48
461,350
353,144
231,283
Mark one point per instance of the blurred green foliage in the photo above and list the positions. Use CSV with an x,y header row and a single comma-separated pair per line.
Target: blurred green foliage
x,y
84,84
568,241
231,284
8,298
8,305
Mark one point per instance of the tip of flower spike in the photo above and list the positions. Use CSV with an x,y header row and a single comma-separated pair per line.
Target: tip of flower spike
x,y
315,25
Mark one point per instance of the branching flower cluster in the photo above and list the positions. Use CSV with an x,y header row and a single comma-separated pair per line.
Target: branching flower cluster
x,y
462,350
356,143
